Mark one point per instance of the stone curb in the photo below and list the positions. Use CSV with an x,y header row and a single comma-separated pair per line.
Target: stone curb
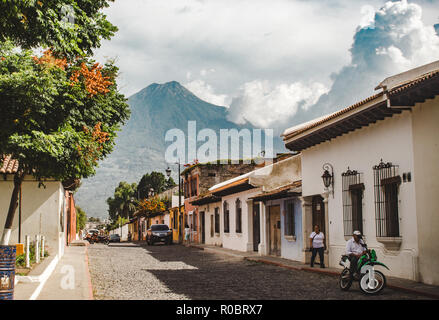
x,y
328,272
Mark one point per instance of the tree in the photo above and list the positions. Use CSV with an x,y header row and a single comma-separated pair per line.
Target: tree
x,y
59,116
123,203
70,27
154,180
81,218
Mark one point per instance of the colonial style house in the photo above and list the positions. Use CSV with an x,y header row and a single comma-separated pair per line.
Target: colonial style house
x,y
209,207
261,211
373,167
197,179
46,208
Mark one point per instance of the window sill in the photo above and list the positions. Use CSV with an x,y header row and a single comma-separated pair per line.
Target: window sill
x,y
290,238
391,243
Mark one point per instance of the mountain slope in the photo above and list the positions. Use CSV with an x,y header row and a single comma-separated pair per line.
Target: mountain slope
x,y
140,146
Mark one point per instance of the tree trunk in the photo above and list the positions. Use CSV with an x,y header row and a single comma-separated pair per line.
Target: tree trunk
x,y
18,180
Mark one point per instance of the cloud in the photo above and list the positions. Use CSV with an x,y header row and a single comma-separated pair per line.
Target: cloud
x,y
387,41
266,106
205,92
283,41
394,41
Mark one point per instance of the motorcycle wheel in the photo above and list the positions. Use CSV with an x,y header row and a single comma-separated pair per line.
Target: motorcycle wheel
x,y
379,277
345,280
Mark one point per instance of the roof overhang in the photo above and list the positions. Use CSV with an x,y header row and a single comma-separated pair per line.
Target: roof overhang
x,y
205,200
291,190
364,113
234,187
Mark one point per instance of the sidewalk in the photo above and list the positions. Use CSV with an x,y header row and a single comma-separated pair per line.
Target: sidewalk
x,y
69,281
392,282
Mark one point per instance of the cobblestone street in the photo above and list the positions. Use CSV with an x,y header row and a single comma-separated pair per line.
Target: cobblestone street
x,y
130,271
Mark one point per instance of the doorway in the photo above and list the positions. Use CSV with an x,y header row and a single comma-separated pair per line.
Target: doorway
x,y
256,227
274,220
202,227
318,214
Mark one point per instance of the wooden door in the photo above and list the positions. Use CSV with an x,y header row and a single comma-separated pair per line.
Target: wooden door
x,y
256,227
274,219
318,214
202,228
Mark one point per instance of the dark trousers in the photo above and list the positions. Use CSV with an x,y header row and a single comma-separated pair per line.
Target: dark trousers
x,y
321,252
354,261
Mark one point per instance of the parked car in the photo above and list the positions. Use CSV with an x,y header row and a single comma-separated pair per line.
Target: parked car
x,y
115,238
159,233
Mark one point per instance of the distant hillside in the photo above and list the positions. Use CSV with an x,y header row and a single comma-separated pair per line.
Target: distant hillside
x,y
140,146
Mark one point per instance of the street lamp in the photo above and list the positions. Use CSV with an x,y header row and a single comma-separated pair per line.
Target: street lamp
x,y
328,178
168,173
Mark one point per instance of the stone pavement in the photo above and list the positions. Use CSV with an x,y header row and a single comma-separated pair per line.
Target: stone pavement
x,y
137,271
392,282
71,279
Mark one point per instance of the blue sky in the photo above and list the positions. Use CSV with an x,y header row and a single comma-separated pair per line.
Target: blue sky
x,y
273,63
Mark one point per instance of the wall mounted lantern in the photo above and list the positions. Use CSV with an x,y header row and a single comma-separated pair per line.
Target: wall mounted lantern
x,y
328,178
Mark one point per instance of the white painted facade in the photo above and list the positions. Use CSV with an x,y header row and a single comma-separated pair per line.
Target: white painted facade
x,y
291,246
239,241
43,212
392,141
211,237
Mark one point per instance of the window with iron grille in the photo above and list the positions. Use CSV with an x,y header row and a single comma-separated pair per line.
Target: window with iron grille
x,y
186,189
193,186
352,197
238,219
386,181
226,217
290,224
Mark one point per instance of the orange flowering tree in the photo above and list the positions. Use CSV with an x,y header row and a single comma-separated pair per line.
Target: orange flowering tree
x,y
151,206
59,115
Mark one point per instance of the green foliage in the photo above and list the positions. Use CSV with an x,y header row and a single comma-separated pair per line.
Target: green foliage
x,y
20,261
81,219
93,219
123,203
154,180
32,24
53,126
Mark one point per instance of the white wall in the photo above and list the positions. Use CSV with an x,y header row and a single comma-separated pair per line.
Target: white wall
x,y
41,212
209,211
291,248
124,230
426,180
390,140
238,241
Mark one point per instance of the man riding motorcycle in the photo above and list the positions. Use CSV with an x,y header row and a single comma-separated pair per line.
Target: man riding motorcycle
x,y
355,247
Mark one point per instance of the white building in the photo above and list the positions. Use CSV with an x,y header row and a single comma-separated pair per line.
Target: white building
x,y
44,209
261,211
383,155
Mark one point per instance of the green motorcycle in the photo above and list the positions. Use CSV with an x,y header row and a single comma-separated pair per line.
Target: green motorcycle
x,y
371,281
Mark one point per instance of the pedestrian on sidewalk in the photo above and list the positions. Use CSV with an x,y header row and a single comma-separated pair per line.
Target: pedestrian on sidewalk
x,y
187,231
317,245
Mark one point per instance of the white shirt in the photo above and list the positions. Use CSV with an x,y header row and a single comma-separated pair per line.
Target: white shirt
x,y
353,247
318,239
